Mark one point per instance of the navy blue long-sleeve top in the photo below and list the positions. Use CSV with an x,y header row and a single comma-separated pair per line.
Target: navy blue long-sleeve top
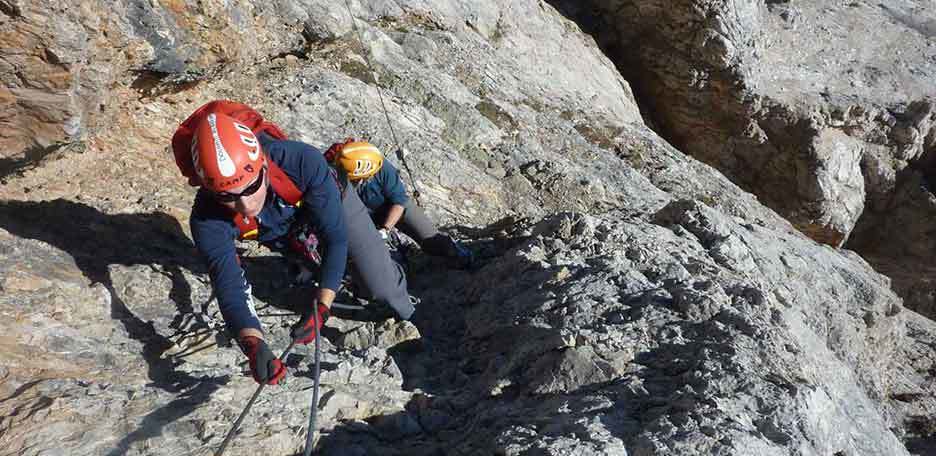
x,y
383,188
214,231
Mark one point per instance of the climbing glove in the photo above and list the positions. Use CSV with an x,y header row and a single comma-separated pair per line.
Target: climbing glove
x,y
264,365
305,330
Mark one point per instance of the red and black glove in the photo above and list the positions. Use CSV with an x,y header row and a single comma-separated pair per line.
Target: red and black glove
x,y
264,365
335,150
305,330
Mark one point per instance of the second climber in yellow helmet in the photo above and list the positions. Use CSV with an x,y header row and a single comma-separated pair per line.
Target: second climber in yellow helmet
x,y
380,188
360,160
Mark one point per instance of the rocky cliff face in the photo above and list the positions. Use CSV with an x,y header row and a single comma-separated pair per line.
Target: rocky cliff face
x,y
632,300
822,109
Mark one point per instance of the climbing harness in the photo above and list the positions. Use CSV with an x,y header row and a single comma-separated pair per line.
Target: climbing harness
x,y
398,149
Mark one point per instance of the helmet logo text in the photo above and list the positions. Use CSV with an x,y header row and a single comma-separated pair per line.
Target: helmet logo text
x,y
195,158
250,140
225,163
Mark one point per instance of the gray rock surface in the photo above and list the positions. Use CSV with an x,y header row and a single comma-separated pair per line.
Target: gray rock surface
x,y
795,101
786,98
673,325
679,316
605,335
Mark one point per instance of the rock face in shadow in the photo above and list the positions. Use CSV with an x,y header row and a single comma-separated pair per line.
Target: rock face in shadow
x,y
911,396
630,299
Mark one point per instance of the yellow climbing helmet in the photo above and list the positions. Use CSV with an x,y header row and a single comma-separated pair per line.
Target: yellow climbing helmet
x,y
360,159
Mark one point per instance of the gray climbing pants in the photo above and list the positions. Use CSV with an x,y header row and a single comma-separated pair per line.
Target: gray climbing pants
x,y
376,275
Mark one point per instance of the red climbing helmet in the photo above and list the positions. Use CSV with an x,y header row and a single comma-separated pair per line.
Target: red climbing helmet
x,y
225,153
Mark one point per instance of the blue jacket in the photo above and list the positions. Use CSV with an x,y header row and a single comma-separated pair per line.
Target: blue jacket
x,y
385,187
214,231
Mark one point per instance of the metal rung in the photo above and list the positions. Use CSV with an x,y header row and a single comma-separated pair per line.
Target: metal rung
x,y
339,305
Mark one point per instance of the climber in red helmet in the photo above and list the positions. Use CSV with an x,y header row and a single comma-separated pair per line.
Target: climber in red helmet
x,y
255,184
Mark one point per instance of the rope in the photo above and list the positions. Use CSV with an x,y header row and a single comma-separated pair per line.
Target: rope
x,y
396,143
310,432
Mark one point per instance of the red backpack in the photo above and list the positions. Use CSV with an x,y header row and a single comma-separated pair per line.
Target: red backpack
x,y
182,142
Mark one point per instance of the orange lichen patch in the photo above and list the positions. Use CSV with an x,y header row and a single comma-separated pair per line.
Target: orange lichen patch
x,y
23,281
6,97
823,234
58,78
20,353
16,42
176,6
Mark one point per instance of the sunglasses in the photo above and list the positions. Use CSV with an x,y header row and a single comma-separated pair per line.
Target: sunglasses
x,y
228,197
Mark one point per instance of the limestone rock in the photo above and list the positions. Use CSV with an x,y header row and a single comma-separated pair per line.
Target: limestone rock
x,y
630,299
692,344
753,91
794,102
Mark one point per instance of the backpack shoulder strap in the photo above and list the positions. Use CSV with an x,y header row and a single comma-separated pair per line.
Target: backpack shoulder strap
x,y
283,185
